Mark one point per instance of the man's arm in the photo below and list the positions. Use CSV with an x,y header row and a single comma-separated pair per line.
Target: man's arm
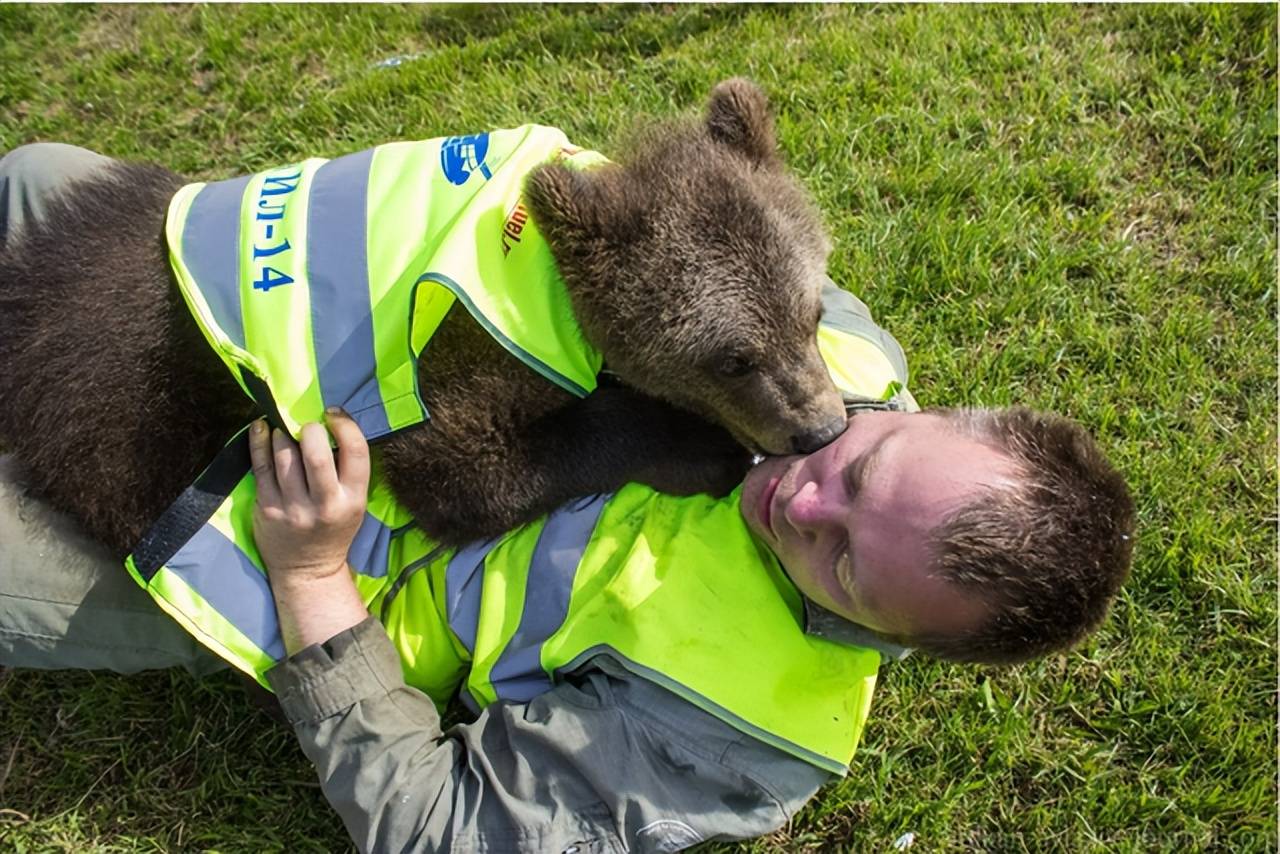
x,y
602,762
308,509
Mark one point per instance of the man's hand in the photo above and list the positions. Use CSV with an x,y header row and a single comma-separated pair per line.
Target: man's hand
x,y
308,511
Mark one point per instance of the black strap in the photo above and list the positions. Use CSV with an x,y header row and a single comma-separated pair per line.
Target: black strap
x,y
262,396
194,507
198,502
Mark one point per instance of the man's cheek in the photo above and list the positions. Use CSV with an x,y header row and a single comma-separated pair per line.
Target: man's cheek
x,y
802,572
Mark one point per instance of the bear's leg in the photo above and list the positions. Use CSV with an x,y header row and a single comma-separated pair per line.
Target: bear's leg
x,y
617,435
504,446
112,400
465,474
467,477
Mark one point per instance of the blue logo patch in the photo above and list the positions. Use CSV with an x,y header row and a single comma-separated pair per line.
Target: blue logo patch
x,y
462,155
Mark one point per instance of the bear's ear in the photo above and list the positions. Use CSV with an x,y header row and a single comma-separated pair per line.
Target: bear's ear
x,y
573,203
738,116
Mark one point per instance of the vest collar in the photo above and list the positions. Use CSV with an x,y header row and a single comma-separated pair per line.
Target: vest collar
x,y
828,625
855,403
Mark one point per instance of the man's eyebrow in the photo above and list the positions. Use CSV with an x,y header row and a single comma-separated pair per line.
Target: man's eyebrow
x,y
857,472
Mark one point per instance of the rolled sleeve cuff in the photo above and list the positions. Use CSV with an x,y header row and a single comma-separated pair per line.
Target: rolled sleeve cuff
x,y
328,678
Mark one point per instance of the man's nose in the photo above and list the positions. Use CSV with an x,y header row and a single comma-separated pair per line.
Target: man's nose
x,y
810,510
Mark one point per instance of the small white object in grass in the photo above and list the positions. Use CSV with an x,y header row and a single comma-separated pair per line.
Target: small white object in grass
x,y
905,841
395,61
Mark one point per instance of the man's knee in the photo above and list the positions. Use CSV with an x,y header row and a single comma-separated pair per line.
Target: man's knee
x,y
50,164
66,602
31,175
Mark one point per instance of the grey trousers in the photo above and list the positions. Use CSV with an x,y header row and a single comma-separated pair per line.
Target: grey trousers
x,y
65,602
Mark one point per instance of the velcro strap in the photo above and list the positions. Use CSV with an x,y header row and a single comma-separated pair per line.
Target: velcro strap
x,y
193,508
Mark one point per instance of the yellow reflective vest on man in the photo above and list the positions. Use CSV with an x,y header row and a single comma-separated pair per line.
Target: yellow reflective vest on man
x,y
318,284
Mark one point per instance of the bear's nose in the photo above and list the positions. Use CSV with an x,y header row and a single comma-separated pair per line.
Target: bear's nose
x,y
807,443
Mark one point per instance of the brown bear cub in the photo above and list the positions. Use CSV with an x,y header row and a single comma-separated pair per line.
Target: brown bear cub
x,y
694,267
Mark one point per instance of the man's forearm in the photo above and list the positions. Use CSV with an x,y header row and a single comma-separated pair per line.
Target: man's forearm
x,y
313,610
586,764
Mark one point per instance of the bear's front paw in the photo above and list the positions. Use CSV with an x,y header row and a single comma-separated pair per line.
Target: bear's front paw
x,y
703,461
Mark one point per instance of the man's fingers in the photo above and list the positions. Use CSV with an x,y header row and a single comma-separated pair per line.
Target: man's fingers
x,y
297,476
322,476
353,451
289,473
264,470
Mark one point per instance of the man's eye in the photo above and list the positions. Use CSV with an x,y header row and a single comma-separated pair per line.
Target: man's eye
x,y
843,568
850,477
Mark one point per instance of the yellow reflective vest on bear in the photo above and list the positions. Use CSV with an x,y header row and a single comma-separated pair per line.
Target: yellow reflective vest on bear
x,y
318,283
676,589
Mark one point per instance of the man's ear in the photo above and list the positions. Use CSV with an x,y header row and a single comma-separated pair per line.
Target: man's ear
x,y
738,117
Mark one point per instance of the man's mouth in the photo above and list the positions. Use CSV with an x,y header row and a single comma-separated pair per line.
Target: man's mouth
x,y
769,495
766,505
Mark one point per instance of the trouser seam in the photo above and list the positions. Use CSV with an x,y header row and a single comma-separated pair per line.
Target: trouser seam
x,y
80,604
63,639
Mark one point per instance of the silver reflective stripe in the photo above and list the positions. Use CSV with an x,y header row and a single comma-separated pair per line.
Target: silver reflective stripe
x,y
368,552
338,276
463,584
843,311
211,251
518,675
232,584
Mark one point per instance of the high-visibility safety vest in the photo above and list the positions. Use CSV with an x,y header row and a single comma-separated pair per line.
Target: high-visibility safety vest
x,y
660,583
319,283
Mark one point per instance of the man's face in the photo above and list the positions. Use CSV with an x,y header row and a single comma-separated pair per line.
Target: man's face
x,y
850,522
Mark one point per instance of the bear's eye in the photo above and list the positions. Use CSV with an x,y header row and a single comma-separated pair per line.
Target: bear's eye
x,y
735,366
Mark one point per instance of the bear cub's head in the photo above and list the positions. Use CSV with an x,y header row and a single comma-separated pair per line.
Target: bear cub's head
x,y
696,267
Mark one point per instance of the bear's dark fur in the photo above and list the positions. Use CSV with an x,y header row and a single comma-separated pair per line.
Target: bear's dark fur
x,y
695,268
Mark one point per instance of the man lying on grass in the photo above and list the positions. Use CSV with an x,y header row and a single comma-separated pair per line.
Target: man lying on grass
x,y
647,671
651,671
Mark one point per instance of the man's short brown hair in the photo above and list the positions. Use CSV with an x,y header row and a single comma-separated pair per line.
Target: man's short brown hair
x,y
1048,555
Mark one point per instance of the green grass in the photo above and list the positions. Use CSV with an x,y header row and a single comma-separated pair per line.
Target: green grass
x,y
1068,207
